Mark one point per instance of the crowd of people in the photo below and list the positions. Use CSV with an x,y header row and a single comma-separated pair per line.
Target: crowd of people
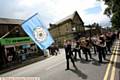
x,y
54,49
100,44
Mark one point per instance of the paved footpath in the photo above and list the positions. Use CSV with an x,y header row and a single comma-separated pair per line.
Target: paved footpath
x,y
53,68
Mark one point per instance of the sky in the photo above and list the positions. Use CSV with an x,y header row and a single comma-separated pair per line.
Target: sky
x,y
51,11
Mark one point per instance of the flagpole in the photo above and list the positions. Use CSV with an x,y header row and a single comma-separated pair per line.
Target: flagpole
x,y
7,33
29,18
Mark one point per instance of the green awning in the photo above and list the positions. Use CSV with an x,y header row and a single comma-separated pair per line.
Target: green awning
x,y
13,41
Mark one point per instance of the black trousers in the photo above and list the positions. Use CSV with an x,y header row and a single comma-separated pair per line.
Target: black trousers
x,y
101,54
69,57
95,50
108,45
77,51
87,52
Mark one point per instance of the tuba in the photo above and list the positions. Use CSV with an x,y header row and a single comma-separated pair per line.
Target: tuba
x,y
83,42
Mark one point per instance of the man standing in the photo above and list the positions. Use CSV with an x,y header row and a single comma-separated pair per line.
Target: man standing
x,y
68,52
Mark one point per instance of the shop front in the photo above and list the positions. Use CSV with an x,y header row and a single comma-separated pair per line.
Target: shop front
x,y
18,49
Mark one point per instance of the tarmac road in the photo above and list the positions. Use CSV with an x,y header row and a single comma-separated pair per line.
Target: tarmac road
x,y
53,68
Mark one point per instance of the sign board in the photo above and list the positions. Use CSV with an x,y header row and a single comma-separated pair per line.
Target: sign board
x,y
13,41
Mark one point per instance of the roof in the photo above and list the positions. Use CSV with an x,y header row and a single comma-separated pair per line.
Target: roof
x,y
10,21
70,17
65,19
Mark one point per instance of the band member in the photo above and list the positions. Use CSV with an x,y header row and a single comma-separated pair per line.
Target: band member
x,y
93,42
88,46
78,50
84,44
108,42
73,47
68,52
100,47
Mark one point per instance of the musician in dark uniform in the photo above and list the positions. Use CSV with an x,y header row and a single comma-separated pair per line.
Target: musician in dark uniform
x,y
68,52
78,50
100,47
108,42
85,46
88,46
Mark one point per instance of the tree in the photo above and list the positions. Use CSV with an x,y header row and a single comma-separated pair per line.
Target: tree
x,y
113,11
96,25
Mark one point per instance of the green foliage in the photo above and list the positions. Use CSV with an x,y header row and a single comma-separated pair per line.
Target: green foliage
x,y
113,10
116,20
108,11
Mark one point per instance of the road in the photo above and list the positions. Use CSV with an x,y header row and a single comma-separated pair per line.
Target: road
x,y
53,68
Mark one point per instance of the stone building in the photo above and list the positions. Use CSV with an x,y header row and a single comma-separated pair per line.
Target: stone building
x,y
11,25
71,27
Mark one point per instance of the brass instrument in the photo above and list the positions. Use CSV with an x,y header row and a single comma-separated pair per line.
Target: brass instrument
x,y
83,42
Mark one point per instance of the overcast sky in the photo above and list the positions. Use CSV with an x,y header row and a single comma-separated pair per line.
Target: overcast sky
x,y
51,11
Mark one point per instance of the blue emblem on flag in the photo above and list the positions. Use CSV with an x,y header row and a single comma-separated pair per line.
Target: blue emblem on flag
x,y
38,33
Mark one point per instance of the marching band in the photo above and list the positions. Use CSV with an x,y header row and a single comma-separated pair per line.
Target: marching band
x,y
101,45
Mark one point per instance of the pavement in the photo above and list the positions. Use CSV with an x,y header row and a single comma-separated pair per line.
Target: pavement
x,y
22,64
